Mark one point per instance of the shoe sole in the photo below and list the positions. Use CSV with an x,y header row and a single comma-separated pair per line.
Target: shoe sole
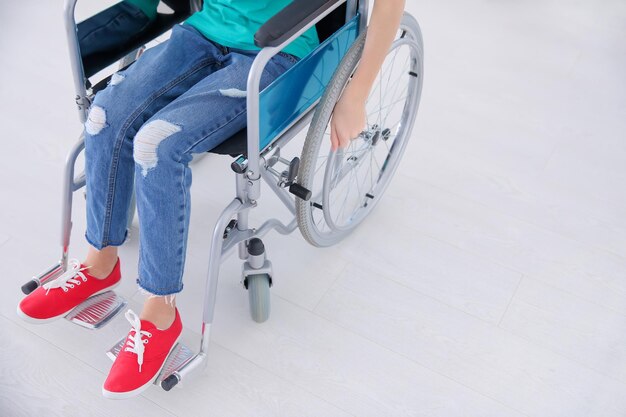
x,y
128,394
34,320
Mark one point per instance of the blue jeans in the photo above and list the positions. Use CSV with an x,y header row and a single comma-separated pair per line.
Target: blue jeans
x,y
184,96
109,29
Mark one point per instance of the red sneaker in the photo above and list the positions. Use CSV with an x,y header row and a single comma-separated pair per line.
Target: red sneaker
x,y
58,297
141,357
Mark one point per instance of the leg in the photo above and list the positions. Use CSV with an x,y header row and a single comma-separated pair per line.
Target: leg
x,y
156,79
161,75
210,112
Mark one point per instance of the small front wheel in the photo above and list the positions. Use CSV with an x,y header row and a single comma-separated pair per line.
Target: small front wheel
x,y
259,295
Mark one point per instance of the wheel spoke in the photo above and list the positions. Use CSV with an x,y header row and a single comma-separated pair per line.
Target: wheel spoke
x,y
393,63
397,86
357,176
389,105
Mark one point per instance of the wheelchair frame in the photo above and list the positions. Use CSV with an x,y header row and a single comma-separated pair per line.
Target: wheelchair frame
x,y
247,184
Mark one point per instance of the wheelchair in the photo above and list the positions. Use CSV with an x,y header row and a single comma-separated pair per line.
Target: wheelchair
x,y
329,193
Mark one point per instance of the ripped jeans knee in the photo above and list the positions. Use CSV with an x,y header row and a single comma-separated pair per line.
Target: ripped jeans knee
x,y
147,142
96,120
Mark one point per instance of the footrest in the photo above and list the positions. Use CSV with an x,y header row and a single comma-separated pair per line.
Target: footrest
x,y
98,310
179,356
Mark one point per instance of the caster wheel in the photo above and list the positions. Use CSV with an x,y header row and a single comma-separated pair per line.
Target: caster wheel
x,y
259,295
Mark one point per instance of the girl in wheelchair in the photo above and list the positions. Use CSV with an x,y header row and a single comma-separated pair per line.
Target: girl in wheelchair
x,y
185,96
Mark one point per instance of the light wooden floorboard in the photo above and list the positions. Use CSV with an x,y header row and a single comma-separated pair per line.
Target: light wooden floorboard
x,y
504,367
38,378
566,324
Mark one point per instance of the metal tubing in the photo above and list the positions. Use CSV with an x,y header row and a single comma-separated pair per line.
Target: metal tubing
x,y
269,170
242,216
50,273
79,182
351,9
215,257
254,82
235,237
282,194
364,12
199,361
69,186
76,61
278,226
204,341
252,101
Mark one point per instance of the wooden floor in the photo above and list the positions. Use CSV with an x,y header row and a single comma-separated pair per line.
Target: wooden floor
x,y
490,281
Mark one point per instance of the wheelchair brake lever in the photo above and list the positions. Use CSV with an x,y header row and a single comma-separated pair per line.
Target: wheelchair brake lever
x,y
294,166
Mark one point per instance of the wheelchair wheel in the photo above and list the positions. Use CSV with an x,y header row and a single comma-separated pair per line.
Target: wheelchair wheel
x,y
348,183
259,296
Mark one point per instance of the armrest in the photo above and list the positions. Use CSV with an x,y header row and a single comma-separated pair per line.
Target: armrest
x,y
290,20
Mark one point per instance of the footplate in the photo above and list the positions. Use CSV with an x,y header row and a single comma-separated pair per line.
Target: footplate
x,y
97,311
179,356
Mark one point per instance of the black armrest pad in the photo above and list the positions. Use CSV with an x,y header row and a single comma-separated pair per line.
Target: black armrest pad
x,y
289,20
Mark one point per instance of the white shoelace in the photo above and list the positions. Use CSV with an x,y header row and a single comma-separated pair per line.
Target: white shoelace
x,y
69,278
135,343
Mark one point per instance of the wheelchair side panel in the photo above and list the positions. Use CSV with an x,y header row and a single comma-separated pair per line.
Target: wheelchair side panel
x,y
289,96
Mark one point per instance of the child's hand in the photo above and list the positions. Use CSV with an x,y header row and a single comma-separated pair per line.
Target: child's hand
x,y
348,119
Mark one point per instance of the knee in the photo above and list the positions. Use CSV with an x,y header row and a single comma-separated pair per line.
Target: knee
x,y
148,142
96,120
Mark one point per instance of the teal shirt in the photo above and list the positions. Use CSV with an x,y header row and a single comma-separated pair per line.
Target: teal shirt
x,y
148,7
233,23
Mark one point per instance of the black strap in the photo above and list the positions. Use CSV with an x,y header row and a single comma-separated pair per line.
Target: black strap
x,y
290,20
